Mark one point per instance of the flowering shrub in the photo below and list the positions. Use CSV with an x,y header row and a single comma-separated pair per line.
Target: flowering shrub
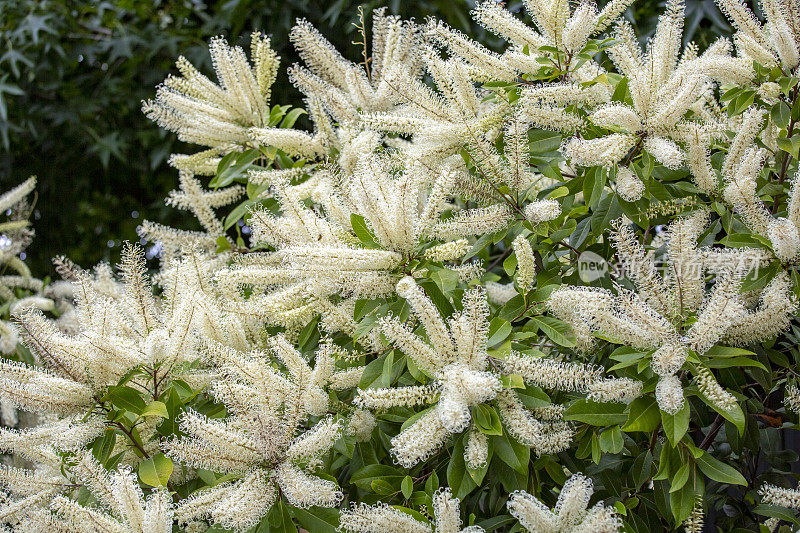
x,y
552,289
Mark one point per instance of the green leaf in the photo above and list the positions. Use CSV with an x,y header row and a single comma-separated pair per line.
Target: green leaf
x,y
752,282
363,478
581,233
719,471
126,398
675,426
382,487
513,308
223,244
611,440
156,470
626,358
596,451
620,91
644,415
432,484
796,108
564,231
386,372
497,523
556,330
306,334
511,452
741,102
774,511
664,460
735,414
607,209
593,186
103,446
509,264
726,351
238,212
487,420
277,113
155,409
291,117
317,519
741,240
446,280
642,466
280,521
595,413
620,507
513,381
680,477
780,114
365,326
407,487
681,502
499,329
236,167
790,145
460,482
362,231
174,405
735,362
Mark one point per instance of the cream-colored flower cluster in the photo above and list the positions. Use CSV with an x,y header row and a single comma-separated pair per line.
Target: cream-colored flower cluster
x,y
119,328
571,513
122,505
663,87
381,518
653,317
741,169
264,444
463,375
774,43
19,290
774,495
219,116
363,242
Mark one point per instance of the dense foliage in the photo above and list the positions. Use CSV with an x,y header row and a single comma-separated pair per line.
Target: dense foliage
x,y
552,288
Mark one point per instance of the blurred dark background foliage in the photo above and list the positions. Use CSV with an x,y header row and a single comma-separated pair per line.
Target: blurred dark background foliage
x,y
73,75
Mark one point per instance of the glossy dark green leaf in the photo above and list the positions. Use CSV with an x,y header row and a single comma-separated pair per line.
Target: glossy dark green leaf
x,y
512,453
487,420
675,426
556,330
611,440
719,471
125,397
644,415
317,519
596,413
362,231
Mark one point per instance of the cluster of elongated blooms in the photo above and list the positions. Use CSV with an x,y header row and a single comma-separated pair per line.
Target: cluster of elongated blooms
x,y
397,264
652,317
16,236
19,290
571,513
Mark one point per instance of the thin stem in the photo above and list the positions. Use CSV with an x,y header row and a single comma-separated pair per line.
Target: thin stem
x,y
654,437
789,130
712,433
500,259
